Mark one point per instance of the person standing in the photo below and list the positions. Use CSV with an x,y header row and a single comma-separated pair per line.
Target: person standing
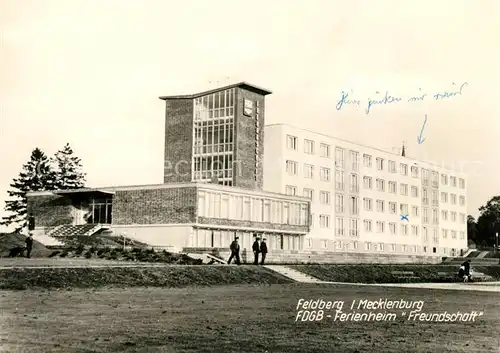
x,y
235,251
29,245
263,250
256,250
466,266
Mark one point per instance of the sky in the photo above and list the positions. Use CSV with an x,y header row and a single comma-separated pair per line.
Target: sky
x,y
90,72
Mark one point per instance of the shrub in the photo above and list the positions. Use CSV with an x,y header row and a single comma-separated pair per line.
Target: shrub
x,y
54,253
79,249
88,254
64,253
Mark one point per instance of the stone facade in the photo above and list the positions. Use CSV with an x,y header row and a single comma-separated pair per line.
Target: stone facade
x,y
155,206
50,211
178,141
246,175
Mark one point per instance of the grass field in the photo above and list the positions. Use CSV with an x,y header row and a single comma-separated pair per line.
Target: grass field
x,y
235,319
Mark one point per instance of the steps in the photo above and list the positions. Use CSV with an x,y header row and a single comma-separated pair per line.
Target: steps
x,y
293,274
47,240
72,230
482,254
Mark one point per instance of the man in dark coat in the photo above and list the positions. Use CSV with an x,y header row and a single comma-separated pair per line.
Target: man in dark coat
x,y
263,250
235,251
466,266
256,250
29,244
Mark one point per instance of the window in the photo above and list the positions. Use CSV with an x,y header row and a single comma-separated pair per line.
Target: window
x,y
425,234
435,198
435,216
404,229
414,172
392,228
414,211
444,197
380,206
309,193
339,158
444,215
367,203
291,190
462,200
339,203
354,183
353,227
354,205
308,146
453,181
462,235
425,196
403,169
308,171
380,163
324,174
355,161
291,142
453,234
392,207
381,246
444,179
414,191
291,167
391,166
393,247
414,230
339,180
368,246
368,225
435,236
453,216
404,189
462,217
425,177
324,150
367,161
453,199
461,183
380,185
339,226
444,232
435,179
324,197
425,215
367,182
380,227
392,187
403,209
324,221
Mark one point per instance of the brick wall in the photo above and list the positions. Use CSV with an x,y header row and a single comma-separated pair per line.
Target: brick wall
x,y
178,141
250,224
155,206
244,168
50,211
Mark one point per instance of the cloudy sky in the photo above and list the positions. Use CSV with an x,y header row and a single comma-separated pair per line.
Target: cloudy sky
x,y
90,73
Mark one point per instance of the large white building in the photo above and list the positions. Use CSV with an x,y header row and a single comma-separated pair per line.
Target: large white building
x,y
364,199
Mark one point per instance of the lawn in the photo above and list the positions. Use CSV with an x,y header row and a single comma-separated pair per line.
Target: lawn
x,y
237,318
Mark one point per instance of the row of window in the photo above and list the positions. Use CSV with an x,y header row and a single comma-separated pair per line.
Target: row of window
x,y
340,163
367,181
380,227
374,246
246,208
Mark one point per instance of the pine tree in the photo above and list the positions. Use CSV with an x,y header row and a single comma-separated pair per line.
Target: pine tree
x,y
36,175
69,173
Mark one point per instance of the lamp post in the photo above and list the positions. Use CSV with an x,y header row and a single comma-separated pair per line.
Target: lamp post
x,y
496,242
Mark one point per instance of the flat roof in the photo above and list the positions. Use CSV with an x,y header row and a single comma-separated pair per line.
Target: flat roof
x,y
209,186
244,85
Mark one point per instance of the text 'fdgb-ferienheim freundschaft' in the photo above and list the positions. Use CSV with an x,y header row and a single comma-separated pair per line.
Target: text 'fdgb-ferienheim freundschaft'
x,y
382,309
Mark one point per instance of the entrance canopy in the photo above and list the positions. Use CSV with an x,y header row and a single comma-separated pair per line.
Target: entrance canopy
x,y
85,192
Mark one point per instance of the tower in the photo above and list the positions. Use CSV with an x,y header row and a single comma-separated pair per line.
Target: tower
x,y
216,135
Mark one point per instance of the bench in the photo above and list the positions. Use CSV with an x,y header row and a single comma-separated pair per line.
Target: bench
x,y
404,275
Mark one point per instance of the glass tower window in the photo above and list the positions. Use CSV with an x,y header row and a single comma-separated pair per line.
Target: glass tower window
x,y
214,137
